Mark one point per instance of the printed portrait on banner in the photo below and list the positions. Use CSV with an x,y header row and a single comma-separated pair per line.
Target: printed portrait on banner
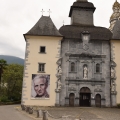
x,y
40,86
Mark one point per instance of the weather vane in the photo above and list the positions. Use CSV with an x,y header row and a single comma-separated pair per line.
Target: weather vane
x,y
42,11
49,12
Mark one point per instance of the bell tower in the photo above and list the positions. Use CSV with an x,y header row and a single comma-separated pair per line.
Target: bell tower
x,y
81,13
115,16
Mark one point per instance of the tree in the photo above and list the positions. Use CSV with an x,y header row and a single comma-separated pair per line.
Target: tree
x,y
3,63
12,77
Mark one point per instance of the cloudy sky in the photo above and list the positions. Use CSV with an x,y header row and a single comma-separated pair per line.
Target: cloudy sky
x,y
18,16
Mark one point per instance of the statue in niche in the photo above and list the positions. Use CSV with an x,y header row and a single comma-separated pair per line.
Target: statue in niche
x,y
112,72
85,72
59,85
113,87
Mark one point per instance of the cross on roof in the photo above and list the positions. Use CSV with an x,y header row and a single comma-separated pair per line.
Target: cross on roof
x,y
63,22
49,12
42,11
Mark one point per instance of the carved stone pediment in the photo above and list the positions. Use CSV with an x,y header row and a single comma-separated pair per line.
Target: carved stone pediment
x,y
98,89
72,87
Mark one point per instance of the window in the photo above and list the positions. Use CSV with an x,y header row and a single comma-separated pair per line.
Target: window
x,y
41,67
72,67
42,49
97,68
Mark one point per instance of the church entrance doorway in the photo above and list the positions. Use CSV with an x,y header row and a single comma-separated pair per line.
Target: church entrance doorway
x,y
85,97
71,99
98,100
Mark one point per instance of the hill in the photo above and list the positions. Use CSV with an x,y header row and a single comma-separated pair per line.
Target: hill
x,y
12,59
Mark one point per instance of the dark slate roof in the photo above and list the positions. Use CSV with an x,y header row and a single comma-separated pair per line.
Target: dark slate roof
x,y
82,5
116,31
74,32
44,27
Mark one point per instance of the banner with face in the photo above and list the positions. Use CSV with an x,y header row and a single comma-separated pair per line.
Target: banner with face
x,y
40,86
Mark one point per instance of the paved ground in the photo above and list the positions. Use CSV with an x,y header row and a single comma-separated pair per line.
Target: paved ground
x,y
83,113
88,113
10,113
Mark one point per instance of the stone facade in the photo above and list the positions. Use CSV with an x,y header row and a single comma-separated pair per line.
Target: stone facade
x,y
98,52
85,60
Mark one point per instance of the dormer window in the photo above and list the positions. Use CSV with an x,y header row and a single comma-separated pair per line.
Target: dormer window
x,y
85,36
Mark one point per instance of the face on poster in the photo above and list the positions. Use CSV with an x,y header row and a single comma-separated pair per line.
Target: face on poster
x,y
40,86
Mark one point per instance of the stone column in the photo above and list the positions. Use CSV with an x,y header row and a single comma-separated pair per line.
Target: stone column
x,y
93,71
113,98
57,103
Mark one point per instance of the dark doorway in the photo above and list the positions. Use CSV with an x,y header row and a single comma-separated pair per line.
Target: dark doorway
x,y
98,100
85,97
71,99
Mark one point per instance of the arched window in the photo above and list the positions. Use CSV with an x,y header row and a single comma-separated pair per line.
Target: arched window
x,y
72,67
97,68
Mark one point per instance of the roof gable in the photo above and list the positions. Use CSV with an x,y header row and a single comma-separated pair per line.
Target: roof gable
x,y
44,27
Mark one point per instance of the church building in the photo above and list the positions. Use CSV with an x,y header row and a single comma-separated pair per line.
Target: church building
x,y
77,65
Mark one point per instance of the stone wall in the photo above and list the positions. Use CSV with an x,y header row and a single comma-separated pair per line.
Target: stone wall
x,y
98,83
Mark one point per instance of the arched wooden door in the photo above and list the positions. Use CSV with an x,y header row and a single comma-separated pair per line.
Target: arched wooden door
x,y
85,97
71,99
98,100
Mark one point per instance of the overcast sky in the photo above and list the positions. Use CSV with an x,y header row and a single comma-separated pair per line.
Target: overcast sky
x,y
18,17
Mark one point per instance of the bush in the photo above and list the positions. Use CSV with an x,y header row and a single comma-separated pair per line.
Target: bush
x,y
118,105
4,99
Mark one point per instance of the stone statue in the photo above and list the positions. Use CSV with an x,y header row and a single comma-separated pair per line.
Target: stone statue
x,y
59,85
113,87
85,72
112,73
59,71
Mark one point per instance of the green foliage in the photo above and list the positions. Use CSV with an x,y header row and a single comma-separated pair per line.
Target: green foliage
x,y
11,85
4,99
3,62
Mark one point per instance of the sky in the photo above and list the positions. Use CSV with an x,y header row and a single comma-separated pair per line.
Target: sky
x,y
18,16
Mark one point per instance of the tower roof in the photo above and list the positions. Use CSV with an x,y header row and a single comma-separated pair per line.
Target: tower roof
x,y
116,4
82,4
44,27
